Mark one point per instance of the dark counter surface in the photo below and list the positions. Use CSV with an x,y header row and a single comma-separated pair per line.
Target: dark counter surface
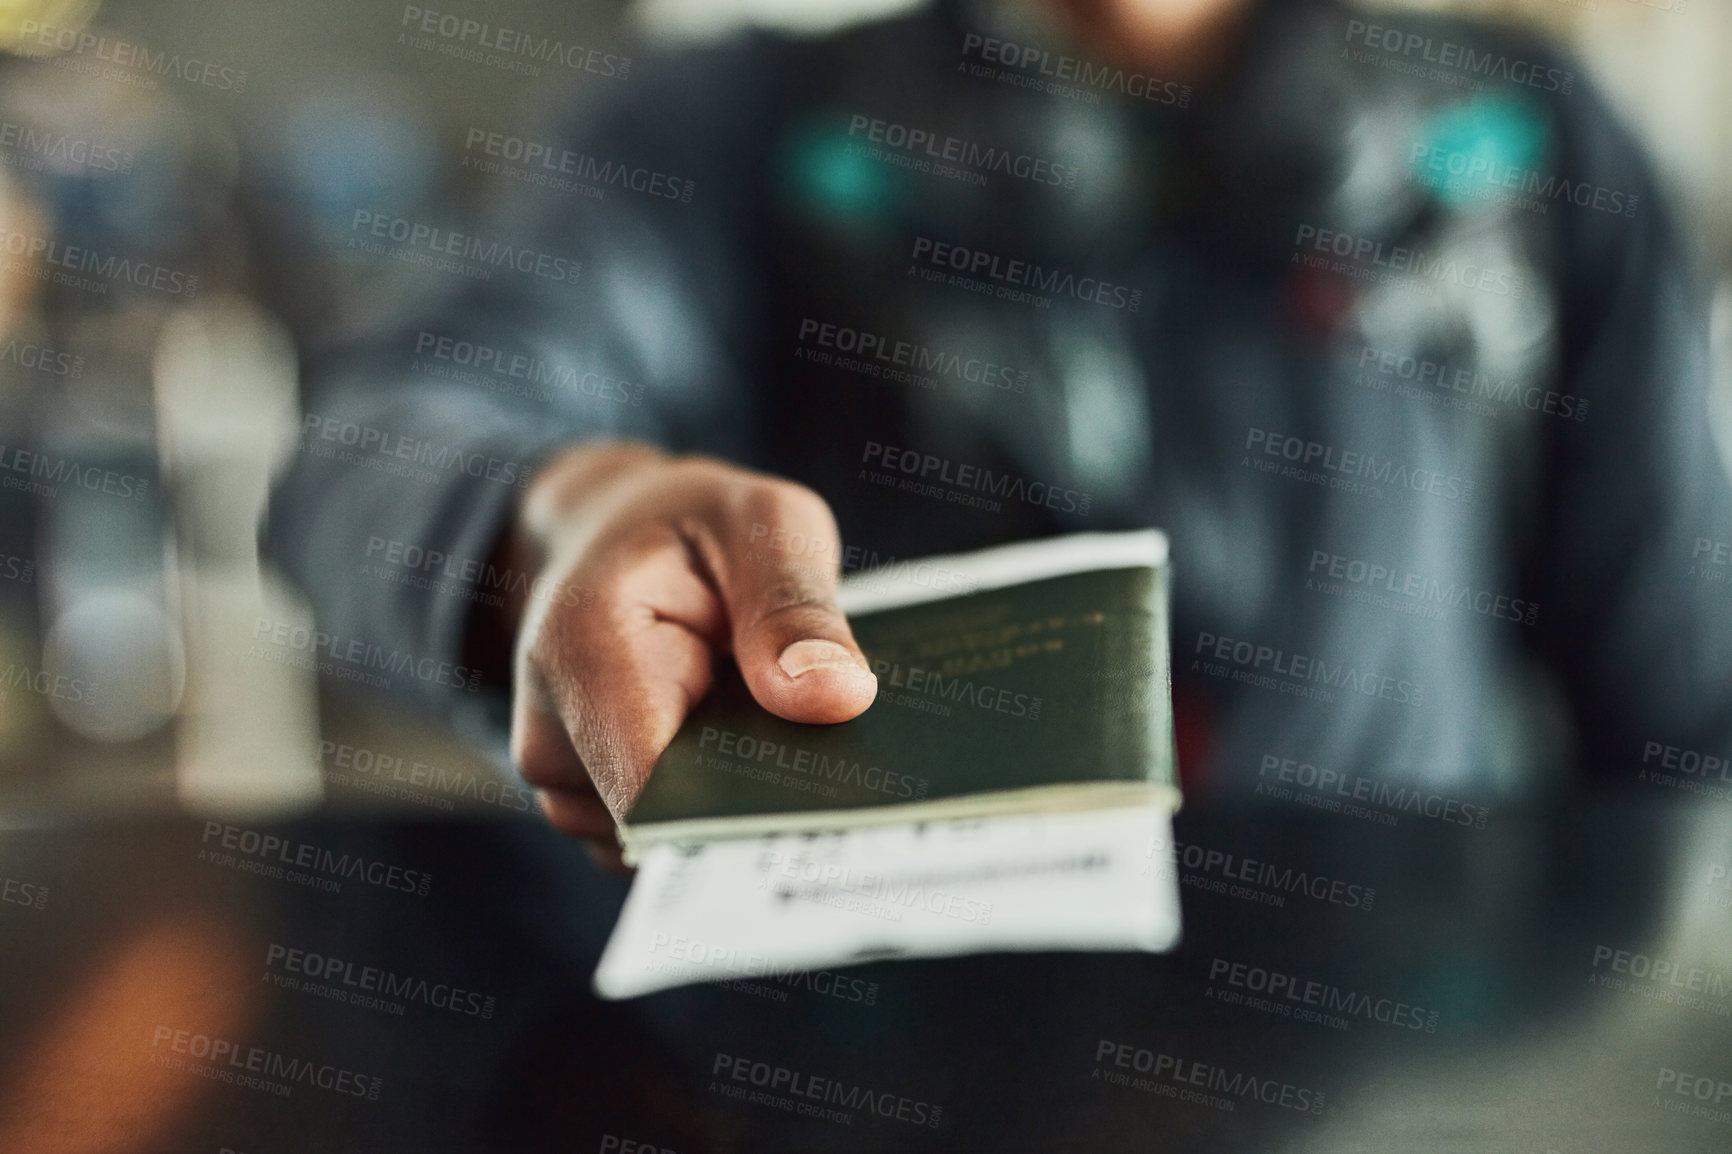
x,y
1559,980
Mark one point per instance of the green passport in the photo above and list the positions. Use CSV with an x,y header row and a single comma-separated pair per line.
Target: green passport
x,y
1025,678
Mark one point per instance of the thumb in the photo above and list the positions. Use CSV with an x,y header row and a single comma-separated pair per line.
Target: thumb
x,y
790,639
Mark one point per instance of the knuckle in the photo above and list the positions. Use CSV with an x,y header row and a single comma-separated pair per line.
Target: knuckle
x,y
776,500
803,502
695,468
788,596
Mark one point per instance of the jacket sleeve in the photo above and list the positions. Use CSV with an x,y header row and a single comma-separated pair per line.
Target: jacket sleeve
x,y
1635,624
630,322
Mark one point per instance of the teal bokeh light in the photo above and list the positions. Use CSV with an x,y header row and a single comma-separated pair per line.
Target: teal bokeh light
x,y
824,173
1482,153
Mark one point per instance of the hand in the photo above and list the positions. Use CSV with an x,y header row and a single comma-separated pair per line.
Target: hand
x,y
649,567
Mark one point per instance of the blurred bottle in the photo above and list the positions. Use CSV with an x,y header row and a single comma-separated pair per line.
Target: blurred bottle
x,y
227,421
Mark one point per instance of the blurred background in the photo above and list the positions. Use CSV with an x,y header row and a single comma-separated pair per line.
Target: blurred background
x,y
177,184
177,179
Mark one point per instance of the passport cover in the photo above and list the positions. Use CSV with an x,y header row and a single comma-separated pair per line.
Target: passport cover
x,y
1046,687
